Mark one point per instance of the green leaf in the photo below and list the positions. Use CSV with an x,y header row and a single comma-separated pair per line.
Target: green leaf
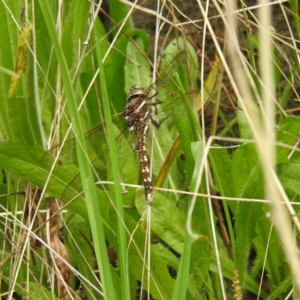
x,y
181,65
244,128
137,67
287,135
220,162
35,290
79,231
248,180
272,256
201,255
31,164
168,226
119,12
246,172
8,36
289,174
200,262
161,284
23,106
282,290
75,30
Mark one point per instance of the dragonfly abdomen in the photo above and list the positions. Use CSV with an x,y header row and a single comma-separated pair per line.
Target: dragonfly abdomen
x,y
141,134
137,114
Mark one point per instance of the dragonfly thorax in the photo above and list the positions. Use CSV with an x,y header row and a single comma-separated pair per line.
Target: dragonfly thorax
x,y
136,110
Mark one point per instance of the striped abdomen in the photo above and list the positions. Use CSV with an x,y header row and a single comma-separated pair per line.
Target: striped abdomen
x,y
136,114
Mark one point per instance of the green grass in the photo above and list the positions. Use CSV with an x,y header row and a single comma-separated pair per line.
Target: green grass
x,y
217,227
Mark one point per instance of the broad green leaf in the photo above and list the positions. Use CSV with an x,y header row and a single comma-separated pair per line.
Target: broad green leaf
x,y
30,164
23,107
137,68
162,283
166,220
177,84
220,162
282,290
25,36
289,174
287,135
118,13
244,128
116,71
248,181
189,264
8,51
81,255
272,256
75,30
33,290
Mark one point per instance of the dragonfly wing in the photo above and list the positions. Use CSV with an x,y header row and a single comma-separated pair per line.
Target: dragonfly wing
x,y
175,110
101,163
96,141
174,81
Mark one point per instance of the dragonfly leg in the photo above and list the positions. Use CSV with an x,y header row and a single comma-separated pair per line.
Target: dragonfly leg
x,y
157,124
157,102
155,94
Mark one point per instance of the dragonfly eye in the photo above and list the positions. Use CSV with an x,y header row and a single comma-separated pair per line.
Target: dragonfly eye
x,y
135,87
135,91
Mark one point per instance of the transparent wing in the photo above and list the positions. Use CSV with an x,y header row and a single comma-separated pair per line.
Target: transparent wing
x,y
96,141
101,163
174,80
176,107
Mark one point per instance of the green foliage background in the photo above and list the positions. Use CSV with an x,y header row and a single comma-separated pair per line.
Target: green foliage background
x,y
35,116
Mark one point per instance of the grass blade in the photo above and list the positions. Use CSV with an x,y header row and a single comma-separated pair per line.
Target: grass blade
x,y
86,173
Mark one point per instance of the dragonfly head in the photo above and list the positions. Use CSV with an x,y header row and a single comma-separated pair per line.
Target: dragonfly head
x,y
135,91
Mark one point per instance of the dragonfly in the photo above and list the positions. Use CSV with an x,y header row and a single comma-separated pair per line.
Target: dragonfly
x,y
143,109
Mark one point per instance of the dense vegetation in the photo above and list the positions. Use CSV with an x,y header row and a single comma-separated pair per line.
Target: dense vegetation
x,y
225,161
